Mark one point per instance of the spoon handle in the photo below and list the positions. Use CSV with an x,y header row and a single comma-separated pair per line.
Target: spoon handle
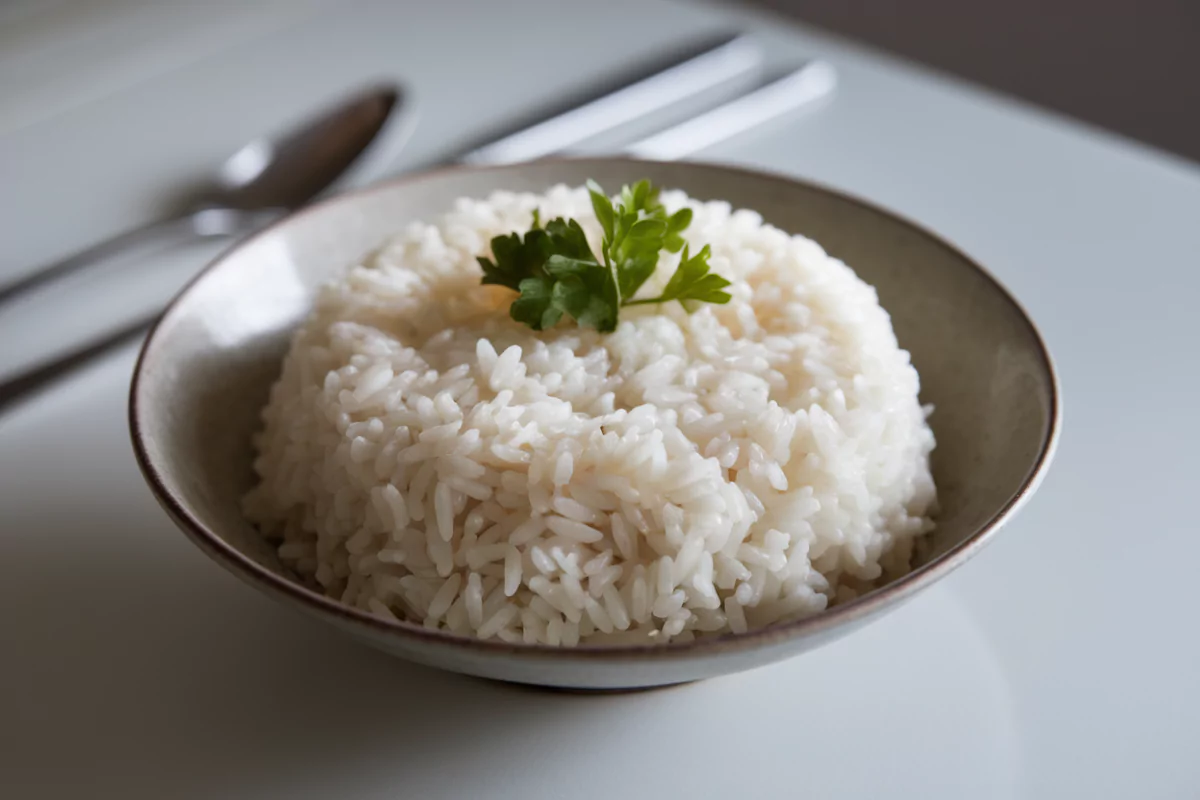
x,y
30,381
205,222
51,314
100,251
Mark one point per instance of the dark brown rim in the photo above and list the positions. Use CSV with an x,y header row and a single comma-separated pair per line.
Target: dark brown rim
x,y
865,606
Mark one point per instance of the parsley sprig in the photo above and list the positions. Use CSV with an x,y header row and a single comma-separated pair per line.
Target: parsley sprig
x,y
557,274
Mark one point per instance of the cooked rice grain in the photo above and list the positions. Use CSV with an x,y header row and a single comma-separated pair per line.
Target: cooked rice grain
x,y
427,458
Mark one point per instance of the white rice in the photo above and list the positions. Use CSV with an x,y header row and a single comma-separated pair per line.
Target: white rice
x,y
426,458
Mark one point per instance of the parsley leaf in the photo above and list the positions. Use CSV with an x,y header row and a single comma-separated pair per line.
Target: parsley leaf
x,y
534,306
556,273
693,281
603,208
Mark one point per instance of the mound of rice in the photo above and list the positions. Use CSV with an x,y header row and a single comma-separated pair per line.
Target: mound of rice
x,y
426,458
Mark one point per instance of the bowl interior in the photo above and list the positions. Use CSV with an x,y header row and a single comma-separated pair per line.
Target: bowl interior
x,y
207,369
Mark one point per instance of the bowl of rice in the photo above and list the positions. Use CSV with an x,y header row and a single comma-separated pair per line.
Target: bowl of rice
x,y
344,414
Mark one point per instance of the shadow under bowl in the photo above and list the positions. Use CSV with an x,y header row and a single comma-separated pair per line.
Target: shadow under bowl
x,y
206,369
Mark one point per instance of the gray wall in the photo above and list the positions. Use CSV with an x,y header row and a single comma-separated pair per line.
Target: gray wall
x,y
1132,66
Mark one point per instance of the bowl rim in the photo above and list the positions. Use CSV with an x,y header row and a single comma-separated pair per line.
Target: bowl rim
x,y
864,607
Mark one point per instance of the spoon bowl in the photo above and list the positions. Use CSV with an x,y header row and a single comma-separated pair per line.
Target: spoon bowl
x,y
286,172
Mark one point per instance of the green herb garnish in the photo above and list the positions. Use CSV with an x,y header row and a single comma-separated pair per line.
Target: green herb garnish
x,y
557,274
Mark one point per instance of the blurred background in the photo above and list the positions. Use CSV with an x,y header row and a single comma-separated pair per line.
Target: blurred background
x,y
114,112
1131,67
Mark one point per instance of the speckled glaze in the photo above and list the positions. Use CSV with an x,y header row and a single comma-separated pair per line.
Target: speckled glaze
x,y
205,371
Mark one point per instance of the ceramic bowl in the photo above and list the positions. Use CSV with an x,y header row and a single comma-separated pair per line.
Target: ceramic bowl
x,y
205,371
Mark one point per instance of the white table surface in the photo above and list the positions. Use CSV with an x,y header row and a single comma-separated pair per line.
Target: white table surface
x,y
1063,662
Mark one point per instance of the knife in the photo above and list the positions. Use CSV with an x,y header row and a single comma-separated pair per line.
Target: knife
x,y
803,87
680,76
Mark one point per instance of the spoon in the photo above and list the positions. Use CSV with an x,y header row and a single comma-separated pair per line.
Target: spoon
x,y
260,182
